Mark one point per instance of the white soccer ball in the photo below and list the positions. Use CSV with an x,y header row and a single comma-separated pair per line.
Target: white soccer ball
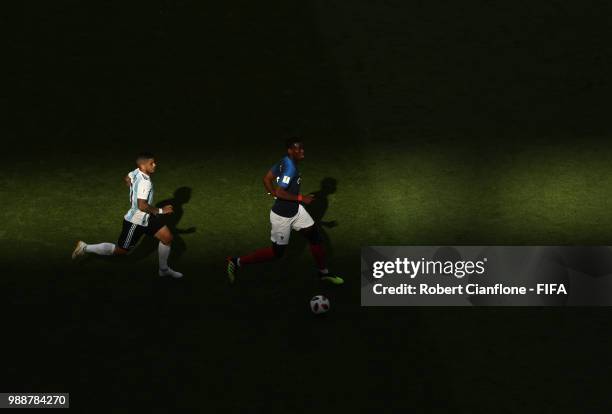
x,y
319,304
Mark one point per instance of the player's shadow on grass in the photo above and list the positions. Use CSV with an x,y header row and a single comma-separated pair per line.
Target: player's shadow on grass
x,y
149,244
317,210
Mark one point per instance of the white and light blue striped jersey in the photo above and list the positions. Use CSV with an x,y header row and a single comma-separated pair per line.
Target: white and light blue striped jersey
x,y
142,188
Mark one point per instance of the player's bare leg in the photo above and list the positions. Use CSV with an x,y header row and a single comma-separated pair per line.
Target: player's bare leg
x,y
165,240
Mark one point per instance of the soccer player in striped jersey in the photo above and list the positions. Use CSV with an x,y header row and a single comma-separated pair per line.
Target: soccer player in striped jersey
x,y
287,214
142,218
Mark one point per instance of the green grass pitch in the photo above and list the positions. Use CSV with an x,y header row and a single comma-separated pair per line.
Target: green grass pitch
x,y
427,197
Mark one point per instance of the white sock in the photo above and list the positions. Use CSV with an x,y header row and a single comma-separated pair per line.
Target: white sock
x,y
164,252
238,261
324,271
103,249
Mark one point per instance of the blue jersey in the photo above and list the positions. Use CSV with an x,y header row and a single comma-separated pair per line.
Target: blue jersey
x,y
288,178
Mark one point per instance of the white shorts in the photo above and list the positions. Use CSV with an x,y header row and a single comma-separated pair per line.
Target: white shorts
x,y
282,226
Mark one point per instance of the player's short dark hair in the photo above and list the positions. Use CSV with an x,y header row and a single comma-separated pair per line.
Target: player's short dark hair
x,y
290,142
143,156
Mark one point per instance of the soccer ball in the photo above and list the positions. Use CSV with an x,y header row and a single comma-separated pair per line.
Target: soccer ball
x,y
319,304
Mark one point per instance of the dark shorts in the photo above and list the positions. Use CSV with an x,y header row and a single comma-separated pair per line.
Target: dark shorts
x,y
131,233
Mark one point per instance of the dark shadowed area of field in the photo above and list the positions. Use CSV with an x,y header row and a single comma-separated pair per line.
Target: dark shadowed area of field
x,y
424,123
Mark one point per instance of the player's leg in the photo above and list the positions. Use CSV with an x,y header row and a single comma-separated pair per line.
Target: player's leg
x,y
275,251
265,254
279,235
165,241
130,234
307,227
102,249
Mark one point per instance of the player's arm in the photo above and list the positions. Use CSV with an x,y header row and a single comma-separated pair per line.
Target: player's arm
x,y
284,195
277,192
144,190
268,181
280,191
149,209
127,180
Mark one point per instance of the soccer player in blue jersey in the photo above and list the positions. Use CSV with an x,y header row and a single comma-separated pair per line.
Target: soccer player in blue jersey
x,y
287,214
142,218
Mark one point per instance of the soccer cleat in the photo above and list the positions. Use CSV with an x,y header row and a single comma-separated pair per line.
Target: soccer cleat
x,y
79,250
334,280
169,272
232,268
